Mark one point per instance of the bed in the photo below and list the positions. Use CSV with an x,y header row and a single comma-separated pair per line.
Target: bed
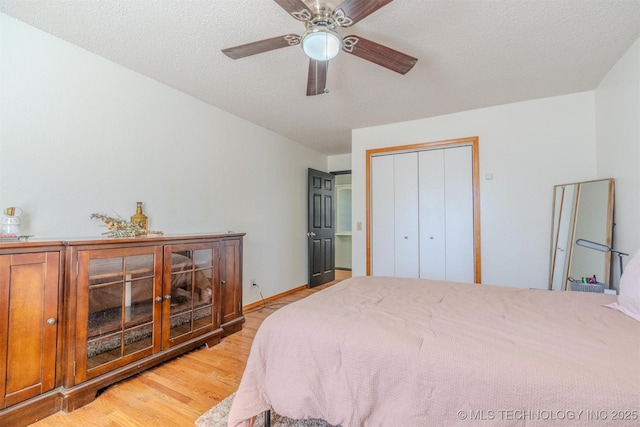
x,y
376,351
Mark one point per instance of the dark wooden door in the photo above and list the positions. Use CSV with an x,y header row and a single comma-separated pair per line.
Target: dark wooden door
x,y
321,232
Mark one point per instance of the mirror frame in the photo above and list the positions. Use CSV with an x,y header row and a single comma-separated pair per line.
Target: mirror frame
x,y
556,219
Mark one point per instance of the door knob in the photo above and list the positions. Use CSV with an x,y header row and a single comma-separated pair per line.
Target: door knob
x,y
51,321
311,234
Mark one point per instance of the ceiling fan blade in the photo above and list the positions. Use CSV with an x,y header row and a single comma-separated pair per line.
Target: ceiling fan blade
x,y
317,77
296,8
378,54
351,11
266,45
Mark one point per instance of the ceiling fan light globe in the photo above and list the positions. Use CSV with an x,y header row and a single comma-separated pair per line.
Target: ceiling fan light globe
x,y
321,44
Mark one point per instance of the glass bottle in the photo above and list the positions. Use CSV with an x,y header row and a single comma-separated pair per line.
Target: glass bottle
x,y
139,218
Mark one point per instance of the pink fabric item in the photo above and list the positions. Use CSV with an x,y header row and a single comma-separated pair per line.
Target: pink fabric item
x,y
404,352
629,295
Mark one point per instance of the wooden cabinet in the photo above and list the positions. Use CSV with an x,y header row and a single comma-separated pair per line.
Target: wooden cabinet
x,y
231,285
139,302
129,304
118,319
29,311
191,299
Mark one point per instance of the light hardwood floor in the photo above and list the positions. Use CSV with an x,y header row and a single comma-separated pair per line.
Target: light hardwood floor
x,y
177,392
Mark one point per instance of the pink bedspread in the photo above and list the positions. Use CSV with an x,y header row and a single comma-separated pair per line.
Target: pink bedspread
x,y
402,352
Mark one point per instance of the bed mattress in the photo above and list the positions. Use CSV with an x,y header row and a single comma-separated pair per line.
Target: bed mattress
x,y
382,351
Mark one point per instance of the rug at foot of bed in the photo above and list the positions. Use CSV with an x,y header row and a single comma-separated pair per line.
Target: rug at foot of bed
x,y
217,417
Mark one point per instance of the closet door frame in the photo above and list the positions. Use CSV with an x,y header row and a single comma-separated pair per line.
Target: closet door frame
x,y
472,141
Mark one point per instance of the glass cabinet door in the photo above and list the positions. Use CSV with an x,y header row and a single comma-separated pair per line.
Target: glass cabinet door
x,y
189,291
117,291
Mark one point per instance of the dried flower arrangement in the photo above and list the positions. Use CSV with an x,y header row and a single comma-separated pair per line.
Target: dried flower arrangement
x,y
118,227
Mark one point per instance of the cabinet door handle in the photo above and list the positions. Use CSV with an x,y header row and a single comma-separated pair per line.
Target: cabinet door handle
x,y
51,321
159,298
224,282
167,297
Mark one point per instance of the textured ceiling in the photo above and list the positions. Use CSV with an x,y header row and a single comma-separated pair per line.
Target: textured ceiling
x,y
471,54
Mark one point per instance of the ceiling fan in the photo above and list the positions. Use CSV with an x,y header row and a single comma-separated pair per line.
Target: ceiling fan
x,y
321,42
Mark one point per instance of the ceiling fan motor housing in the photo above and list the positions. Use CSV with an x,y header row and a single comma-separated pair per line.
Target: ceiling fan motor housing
x,y
320,41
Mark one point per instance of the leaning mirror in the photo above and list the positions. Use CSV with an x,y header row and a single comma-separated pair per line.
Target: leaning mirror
x,y
582,210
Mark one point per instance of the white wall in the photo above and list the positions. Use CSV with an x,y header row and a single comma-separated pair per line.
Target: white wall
x,y
80,134
339,163
528,147
617,107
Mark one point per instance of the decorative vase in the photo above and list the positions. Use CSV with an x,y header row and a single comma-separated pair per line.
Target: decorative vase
x,y
139,218
10,223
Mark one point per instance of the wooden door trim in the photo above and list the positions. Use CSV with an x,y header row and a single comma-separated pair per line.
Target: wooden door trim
x,y
472,141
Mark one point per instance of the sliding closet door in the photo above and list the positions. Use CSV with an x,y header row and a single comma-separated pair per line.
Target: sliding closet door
x,y
394,209
407,249
432,215
422,214
458,189
446,214
382,216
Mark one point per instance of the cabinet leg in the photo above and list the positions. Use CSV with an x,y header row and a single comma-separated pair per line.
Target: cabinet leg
x,y
213,341
71,403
